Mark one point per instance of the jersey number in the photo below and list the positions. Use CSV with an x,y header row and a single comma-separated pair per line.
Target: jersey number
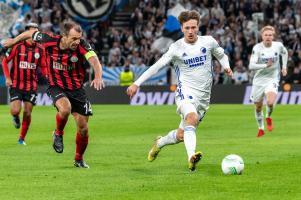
x,y
88,107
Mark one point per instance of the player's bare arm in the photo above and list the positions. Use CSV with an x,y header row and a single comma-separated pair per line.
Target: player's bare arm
x,y
8,81
23,36
97,82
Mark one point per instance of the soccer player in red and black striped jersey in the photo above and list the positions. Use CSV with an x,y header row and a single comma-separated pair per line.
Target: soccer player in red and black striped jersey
x,y
65,56
25,58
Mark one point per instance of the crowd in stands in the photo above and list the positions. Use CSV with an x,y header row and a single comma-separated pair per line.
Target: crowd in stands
x,y
230,22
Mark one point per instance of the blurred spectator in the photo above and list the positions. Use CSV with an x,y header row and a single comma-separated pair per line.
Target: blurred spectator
x,y
295,77
126,76
231,22
240,74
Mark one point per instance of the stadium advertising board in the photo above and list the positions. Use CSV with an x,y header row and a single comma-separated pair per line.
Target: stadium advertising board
x,y
162,95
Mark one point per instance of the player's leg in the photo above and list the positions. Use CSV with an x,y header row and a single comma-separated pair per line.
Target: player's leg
x,y
15,109
271,95
259,118
191,123
173,137
81,110
29,100
63,106
257,95
28,106
15,106
82,138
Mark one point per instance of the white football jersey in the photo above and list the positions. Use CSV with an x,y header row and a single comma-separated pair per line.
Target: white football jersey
x,y
192,63
259,59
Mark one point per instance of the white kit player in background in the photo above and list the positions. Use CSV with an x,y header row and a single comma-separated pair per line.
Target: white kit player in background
x,y
192,59
265,60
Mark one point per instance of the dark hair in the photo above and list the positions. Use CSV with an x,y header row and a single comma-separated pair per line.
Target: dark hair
x,y
188,15
31,25
71,25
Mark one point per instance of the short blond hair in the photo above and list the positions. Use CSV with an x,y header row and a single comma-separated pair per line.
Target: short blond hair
x,y
267,28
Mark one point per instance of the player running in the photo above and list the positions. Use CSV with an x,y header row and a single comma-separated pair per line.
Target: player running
x,y
192,59
65,57
265,61
25,58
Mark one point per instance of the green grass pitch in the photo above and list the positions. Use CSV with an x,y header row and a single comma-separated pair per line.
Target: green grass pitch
x,y
120,138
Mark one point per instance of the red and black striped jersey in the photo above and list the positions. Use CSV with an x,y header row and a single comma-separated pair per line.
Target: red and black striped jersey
x,y
26,58
65,67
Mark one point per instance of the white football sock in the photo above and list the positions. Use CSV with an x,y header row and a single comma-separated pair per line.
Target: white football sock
x,y
259,119
190,140
269,111
170,138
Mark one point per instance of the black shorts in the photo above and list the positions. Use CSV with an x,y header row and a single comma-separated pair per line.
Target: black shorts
x,y
25,96
78,99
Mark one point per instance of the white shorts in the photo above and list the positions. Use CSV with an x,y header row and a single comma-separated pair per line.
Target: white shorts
x,y
258,92
189,102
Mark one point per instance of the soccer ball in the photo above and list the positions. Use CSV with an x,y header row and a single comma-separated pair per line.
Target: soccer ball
x,y
233,164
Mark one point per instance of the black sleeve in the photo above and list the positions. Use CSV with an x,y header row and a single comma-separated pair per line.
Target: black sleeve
x,y
42,37
86,45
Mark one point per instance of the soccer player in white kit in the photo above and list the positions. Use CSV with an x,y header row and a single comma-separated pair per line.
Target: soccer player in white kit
x,y
265,61
192,59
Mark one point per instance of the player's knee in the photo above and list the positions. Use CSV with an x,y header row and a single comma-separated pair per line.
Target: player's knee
x,y
15,111
83,130
26,114
258,108
192,119
270,103
180,136
65,112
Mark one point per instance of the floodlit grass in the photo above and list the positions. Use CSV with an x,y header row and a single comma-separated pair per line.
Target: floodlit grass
x,y
120,138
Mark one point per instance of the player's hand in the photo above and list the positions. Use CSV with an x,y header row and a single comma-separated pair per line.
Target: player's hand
x,y
132,90
97,83
284,72
229,72
8,82
270,63
9,42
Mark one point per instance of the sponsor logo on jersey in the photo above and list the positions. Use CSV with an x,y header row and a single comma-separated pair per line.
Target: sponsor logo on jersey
x,y
60,66
266,59
197,61
184,54
27,65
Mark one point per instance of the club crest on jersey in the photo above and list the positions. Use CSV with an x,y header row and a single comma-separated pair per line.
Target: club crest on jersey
x,y
37,55
203,50
74,59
